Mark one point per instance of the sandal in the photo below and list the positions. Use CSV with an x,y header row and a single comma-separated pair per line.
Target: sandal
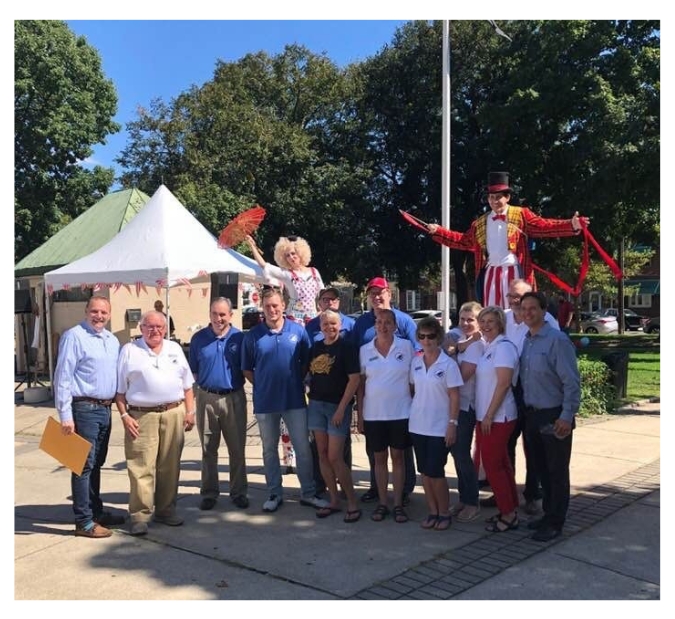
x,y
443,523
399,514
494,527
430,521
380,513
493,518
352,516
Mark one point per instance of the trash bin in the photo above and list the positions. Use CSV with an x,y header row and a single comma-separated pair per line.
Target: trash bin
x,y
618,363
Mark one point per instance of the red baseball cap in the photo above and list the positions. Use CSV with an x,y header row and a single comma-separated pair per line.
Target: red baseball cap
x,y
377,282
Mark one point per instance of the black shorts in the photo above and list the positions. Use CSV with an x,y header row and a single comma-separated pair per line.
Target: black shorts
x,y
431,454
381,435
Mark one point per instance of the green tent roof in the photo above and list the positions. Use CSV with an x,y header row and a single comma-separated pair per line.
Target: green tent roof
x,y
84,235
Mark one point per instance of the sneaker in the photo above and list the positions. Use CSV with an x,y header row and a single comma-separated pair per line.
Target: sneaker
x,y
369,496
273,503
171,520
315,502
95,532
139,528
241,501
207,503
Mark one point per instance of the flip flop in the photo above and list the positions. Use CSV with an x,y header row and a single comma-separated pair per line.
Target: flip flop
x,y
324,512
352,516
430,521
443,523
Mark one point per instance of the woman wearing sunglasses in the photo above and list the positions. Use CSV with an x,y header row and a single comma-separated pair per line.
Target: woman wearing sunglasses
x,y
434,416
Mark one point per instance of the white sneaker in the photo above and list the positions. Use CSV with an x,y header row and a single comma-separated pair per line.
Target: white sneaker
x,y
273,503
315,502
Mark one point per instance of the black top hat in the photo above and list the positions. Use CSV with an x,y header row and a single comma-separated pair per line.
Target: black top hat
x,y
498,182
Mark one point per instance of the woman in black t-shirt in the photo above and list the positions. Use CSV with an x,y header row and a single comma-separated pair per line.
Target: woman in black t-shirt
x,y
334,377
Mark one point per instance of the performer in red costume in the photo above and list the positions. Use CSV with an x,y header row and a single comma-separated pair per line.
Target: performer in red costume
x,y
498,239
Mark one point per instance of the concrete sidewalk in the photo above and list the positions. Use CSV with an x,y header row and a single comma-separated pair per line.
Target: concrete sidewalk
x,y
609,550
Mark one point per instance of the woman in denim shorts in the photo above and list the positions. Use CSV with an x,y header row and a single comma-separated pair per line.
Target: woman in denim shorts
x,y
334,379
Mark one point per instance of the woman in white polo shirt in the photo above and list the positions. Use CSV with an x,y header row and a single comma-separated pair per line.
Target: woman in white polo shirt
x,y
383,402
434,417
496,415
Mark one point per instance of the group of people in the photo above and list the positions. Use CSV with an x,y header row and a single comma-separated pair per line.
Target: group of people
x,y
417,392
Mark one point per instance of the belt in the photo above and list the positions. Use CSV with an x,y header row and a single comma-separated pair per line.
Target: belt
x,y
99,401
533,410
218,391
158,408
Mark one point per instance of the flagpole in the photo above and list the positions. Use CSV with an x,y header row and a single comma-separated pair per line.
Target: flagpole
x,y
445,178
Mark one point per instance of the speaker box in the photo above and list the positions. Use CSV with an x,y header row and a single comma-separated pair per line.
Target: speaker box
x,y
225,285
22,302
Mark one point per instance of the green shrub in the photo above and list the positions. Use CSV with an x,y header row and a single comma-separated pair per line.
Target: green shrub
x,y
598,394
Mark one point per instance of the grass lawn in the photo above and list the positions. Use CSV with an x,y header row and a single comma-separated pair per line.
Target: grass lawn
x,y
644,361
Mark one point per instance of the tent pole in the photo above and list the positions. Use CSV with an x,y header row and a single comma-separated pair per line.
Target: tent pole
x,y
48,318
168,314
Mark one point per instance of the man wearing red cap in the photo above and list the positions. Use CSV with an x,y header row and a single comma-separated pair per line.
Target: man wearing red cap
x,y
502,236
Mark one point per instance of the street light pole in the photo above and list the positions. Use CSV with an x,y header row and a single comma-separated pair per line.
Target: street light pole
x,y
445,178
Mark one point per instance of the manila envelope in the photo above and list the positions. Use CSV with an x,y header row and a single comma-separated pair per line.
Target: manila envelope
x,y
70,450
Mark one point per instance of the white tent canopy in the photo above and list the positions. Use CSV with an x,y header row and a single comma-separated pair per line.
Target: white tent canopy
x,y
164,245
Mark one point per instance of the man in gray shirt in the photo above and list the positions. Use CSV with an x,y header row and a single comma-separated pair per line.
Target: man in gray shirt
x,y
552,393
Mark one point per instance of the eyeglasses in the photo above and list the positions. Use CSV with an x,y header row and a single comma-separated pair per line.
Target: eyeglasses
x,y
153,327
426,336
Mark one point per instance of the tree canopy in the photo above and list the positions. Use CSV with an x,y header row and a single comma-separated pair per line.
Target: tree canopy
x,y
63,104
569,108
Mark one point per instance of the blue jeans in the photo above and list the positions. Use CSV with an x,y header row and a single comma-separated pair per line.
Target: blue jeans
x,y
467,479
296,423
92,422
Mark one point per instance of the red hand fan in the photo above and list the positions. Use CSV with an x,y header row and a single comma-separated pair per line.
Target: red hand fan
x,y
242,225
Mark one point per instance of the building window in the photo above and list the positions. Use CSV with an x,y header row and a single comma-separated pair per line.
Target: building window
x,y
640,300
412,300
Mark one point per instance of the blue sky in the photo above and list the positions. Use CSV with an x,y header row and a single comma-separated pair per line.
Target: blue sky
x,y
150,59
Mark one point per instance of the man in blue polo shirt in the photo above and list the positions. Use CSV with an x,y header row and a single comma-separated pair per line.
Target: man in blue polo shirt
x,y
363,332
329,299
275,359
215,361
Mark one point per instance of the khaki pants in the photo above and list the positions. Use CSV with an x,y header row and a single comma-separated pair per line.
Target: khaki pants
x,y
226,415
153,463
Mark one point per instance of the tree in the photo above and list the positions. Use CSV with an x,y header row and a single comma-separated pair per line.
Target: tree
x,y
63,104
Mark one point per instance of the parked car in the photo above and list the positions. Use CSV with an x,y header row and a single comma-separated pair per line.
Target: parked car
x,y
632,321
596,323
417,315
653,325
251,316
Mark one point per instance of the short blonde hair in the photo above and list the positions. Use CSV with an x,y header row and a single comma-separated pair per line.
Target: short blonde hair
x,y
301,247
498,313
329,313
471,306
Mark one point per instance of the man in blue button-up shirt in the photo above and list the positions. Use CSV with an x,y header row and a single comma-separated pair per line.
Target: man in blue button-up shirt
x,y
552,394
85,382
215,361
